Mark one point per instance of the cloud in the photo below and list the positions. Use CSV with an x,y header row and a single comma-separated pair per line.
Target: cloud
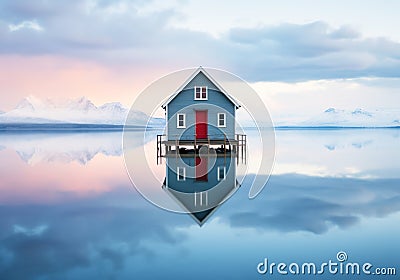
x,y
107,232
316,204
36,231
314,51
19,10
25,25
298,216
293,40
82,235
119,33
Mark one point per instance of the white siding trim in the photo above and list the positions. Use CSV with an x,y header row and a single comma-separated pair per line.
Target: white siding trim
x,y
166,122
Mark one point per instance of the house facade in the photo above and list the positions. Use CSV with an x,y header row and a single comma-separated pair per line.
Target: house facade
x,y
200,109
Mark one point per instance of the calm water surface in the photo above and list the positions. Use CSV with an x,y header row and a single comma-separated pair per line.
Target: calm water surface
x,y
69,211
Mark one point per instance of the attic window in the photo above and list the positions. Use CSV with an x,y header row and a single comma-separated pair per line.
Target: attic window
x,y
200,93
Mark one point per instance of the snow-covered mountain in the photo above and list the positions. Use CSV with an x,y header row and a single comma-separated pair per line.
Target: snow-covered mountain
x,y
355,118
331,117
81,111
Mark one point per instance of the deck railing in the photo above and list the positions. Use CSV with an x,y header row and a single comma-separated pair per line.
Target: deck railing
x,y
238,145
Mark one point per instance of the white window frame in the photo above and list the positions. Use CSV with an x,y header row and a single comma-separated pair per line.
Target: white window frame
x,y
184,121
218,173
183,173
201,199
221,114
201,93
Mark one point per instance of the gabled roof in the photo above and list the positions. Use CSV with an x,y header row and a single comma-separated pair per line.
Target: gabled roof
x,y
202,216
195,73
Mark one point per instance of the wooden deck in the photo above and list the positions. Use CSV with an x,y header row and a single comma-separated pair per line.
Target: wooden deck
x,y
199,142
227,147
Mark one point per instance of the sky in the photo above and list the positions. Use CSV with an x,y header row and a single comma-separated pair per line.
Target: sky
x,y
302,56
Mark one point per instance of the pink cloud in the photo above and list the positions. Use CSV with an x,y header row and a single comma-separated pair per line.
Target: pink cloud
x,y
58,77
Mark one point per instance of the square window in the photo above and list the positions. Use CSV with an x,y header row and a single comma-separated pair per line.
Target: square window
x,y
221,120
181,121
200,93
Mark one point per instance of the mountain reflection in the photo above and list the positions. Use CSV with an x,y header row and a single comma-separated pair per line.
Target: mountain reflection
x,y
59,147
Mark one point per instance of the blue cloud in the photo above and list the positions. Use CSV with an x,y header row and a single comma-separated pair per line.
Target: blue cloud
x,y
36,231
117,33
82,235
78,238
309,40
294,203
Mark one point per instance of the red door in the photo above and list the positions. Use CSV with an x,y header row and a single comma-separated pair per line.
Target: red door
x,y
201,125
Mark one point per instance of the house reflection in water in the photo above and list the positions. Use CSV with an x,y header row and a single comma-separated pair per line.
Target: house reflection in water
x,y
200,145
199,183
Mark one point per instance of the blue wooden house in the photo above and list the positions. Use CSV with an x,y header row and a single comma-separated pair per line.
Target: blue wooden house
x,y
200,112
200,109
201,144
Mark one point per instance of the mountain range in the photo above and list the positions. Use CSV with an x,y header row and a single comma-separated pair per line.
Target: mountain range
x,y
354,118
32,110
78,111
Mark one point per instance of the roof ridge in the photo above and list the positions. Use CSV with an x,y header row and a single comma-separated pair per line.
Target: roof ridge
x,y
208,76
